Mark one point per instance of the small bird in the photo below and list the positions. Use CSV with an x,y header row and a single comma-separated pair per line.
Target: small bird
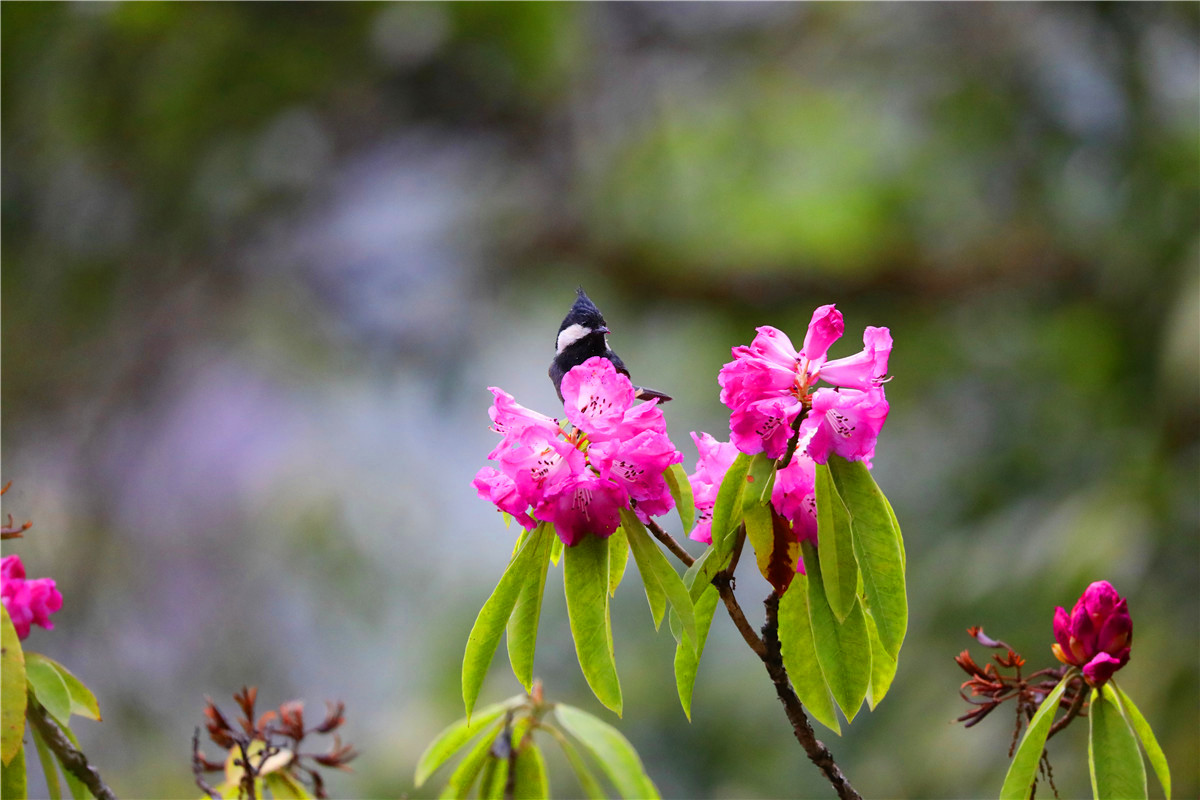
x,y
582,335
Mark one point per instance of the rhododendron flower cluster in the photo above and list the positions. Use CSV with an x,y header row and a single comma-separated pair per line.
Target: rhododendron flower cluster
x,y
579,479
769,383
793,496
1097,633
27,601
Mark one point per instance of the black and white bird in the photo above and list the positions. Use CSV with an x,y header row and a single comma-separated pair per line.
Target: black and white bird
x,y
582,335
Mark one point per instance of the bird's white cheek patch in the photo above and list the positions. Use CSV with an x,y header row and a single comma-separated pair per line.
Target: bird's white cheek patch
x,y
570,335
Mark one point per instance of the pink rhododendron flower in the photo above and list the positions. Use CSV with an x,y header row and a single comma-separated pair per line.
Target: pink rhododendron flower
x,y
793,496
27,601
580,479
769,384
845,423
715,460
586,503
1096,635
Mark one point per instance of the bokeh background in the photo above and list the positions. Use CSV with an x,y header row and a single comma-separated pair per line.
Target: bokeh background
x,y
261,263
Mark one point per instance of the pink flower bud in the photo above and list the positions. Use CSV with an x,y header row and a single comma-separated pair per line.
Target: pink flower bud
x,y
28,602
1096,635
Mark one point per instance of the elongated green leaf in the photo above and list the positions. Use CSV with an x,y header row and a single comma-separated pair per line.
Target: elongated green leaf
x,y
491,784
48,687
699,575
49,765
728,506
611,750
655,568
899,536
464,775
877,549
760,480
618,559
583,773
843,648
12,774
523,624
585,578
1114,760
883,666
835,545
556,548
799,651
687,653
12,690
681,493
454,738
493,617
531,781
1018,783
1158,759
83,702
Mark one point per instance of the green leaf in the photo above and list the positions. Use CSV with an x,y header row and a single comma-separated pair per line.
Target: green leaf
x,y
531,781
48,687
699,575
877,549
455,737
556,548
12,691
835,546
655,569
464,775
611,750
618,559
83,702
12,774
760,480
843,648
49,768
585,578
799,652
1114,760
493,617
495,774
1158,759
1018,783
687,653
681,493
728,506
883,666
587,781
899,536
523,624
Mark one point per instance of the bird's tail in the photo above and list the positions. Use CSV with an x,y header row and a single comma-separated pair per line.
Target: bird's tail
x,y
642,393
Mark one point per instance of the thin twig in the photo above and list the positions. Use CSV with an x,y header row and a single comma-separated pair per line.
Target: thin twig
x,y
68,755
722,582
198,764
672,545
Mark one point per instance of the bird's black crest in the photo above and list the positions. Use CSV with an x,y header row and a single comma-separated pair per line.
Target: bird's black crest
x,y
583,312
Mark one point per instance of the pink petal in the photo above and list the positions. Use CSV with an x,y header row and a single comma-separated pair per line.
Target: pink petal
x,y
824,329
864,369
596,396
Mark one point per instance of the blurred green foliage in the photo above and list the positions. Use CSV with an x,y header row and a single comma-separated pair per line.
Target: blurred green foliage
x,y
260,262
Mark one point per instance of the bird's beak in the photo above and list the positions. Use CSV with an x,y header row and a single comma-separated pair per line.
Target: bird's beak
x,y
603,329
